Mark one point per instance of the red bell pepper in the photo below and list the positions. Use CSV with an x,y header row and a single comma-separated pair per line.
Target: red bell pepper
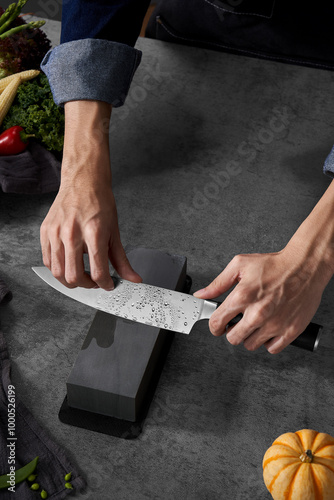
x,y
13,141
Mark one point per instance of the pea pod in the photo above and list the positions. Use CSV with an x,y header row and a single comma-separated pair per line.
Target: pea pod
x,y
20,474
68,476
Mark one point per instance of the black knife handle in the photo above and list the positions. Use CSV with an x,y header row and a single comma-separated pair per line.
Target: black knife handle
x,y
308,340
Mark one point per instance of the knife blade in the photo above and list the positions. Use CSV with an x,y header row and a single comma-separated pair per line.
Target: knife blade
x,y
143,303
155,306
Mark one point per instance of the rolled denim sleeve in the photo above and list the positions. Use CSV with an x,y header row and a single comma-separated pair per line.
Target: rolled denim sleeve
x,y
96,59
329,164
91,69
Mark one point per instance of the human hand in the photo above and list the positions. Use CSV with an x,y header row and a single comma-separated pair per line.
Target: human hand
x,y
83,217
82,221
277,293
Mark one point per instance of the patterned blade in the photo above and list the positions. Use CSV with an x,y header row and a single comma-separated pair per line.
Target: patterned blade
x,y
142,303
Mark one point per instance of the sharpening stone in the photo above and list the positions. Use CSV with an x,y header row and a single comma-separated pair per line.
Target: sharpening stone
x,y
112,373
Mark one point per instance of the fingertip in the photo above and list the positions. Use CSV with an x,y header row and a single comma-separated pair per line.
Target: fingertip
x,y
216,325
131,275
122,265
215,333
136,278
199,293
274,346
109,288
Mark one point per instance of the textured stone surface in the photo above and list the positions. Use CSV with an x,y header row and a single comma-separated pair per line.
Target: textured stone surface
x,y
217,408
119,359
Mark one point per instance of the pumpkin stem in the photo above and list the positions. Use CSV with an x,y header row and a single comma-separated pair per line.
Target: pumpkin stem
x,y
306,456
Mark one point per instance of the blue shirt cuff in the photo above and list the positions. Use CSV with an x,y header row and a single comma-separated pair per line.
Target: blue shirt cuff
x,y
329,164
91,69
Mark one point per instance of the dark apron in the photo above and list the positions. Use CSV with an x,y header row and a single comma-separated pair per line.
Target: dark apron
x,y
288,31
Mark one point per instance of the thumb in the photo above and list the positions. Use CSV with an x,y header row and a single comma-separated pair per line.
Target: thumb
x,y
223,282
121,263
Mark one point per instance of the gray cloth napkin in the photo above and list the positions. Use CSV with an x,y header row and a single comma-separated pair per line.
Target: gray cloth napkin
x,y
31,440
35,171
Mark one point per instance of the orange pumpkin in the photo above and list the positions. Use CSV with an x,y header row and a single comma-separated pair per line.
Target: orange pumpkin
x,y
300,466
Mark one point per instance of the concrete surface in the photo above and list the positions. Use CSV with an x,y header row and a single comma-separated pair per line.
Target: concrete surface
x,y
217,408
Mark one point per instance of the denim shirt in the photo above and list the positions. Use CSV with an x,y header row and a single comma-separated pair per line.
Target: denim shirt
x,y
329,164
96,58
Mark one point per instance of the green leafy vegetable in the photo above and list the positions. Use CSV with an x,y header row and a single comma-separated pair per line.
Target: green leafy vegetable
x,y
34,110
23,45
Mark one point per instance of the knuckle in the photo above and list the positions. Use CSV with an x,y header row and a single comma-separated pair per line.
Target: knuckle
x,y
72,278
251,346
212,286
254,319
237,259
44,230
241,296
53,234
46,260
68,234
93,231
215,325
57,272
98,275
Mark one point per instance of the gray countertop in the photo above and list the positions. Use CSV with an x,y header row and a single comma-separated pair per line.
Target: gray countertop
x,y
193,117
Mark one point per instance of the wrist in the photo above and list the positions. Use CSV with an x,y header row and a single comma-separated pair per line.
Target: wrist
x,y
89,118
313,242
309,259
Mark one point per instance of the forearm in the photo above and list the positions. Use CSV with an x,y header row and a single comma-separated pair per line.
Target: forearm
x,y
86,144
314,239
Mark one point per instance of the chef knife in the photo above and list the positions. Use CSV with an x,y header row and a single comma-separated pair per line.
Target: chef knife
x,y
155,306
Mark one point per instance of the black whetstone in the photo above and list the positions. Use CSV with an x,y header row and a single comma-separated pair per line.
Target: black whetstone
x,y
112,373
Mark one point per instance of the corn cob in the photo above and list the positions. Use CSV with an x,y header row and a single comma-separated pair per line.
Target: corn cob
x,y
8,96
24,75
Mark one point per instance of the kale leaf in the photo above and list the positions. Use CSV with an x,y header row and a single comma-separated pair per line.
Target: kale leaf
x,y
34,110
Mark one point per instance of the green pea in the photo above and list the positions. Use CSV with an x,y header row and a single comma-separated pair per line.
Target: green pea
x,y
44,494
20,474
32,477
68,476
35,486
68,486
